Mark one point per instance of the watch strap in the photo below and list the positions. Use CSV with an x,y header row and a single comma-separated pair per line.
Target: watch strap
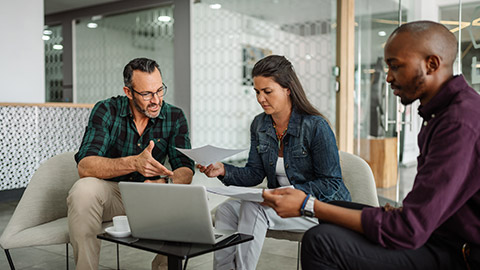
x,y
307,206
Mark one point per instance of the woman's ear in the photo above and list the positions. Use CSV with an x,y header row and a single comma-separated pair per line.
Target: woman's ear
x,y
433,63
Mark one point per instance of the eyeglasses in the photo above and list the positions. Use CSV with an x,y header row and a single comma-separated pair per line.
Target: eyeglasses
x,y
149,95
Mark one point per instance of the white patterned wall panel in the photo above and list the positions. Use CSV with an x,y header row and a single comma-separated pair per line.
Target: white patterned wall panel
x,y
29,135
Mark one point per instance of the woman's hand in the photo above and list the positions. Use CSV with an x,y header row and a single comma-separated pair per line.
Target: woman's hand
x,y
212,170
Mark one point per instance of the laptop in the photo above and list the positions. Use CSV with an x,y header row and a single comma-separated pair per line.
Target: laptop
x,y
170,212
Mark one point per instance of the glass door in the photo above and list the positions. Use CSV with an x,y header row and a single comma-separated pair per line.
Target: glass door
x,y
380,133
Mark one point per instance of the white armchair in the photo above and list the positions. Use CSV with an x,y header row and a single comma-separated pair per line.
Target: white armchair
x,y
40,217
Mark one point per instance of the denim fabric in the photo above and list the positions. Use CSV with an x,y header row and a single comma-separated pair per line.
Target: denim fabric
x,y
310,157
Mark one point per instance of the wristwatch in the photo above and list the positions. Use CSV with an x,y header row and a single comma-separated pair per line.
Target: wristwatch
x,y
307,206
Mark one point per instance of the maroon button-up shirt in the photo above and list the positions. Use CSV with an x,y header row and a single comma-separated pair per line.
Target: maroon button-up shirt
x,y
445,198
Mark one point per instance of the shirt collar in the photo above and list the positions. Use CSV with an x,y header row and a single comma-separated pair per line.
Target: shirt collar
x,y
443,98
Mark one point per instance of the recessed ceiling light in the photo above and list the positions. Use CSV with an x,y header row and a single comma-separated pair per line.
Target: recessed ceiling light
x,y
382,33
44,37
97,17
92,25
164,18
57,47
47,32
215,6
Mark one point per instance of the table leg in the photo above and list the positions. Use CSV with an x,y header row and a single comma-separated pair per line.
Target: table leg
x,y
174,263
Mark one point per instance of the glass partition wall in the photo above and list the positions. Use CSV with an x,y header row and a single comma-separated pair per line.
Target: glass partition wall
x,y
469,34
379,117
52,37
104,45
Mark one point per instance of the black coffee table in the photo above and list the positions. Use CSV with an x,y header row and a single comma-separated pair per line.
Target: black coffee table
x,y
175,251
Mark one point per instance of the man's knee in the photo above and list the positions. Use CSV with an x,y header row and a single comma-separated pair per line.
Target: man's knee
x,y
85,192
320,240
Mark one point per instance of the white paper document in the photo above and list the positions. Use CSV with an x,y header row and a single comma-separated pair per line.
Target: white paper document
x,y
209,154
244,193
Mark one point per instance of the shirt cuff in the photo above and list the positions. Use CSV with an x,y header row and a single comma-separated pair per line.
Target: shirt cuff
x,y
371,223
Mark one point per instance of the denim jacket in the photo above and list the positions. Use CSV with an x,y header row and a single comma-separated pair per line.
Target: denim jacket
x,y
310,157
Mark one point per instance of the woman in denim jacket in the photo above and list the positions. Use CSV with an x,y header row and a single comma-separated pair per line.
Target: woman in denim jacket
x,y
291,144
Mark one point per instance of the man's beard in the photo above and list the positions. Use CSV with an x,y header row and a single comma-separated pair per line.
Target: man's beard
x,y
416,83
145,112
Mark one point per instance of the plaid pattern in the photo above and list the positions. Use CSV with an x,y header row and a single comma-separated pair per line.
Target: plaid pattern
x,y
111,133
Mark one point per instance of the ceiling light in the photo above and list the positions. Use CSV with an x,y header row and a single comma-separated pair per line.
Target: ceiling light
x,y
92,25
215,6
44,37
57,47
164,18
47,32
382,33
97,17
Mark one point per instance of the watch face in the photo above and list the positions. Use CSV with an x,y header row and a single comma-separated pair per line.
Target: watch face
x,y
308,213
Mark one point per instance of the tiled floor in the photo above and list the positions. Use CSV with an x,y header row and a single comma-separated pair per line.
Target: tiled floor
x,y
276,254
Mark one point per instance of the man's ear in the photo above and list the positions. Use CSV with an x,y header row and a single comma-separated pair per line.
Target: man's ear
x,y
433,64
127,92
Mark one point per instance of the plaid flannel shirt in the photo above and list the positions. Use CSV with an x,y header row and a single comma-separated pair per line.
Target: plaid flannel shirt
x,y
112,133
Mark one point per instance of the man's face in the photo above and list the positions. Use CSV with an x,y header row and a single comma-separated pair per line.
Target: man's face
x,y
146,83
406,68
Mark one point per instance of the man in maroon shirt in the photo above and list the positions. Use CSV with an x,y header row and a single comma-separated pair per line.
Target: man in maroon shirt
x,y
438,225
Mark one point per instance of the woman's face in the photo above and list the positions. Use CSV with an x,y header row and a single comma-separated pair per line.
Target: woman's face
x,y
273,98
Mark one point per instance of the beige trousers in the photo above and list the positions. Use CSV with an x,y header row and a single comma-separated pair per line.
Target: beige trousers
x,y
90,202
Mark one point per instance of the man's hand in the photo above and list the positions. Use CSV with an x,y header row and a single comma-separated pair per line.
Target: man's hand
x,y
158,181
212,170
285,201
148,166
388,208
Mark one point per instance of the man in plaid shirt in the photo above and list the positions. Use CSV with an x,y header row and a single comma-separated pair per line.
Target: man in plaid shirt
x,y
128,138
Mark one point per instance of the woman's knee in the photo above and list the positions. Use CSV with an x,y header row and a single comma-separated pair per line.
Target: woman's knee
x,y
227,210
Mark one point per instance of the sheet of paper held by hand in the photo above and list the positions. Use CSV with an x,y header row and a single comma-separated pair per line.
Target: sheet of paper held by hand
x,y
244,193
209,154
